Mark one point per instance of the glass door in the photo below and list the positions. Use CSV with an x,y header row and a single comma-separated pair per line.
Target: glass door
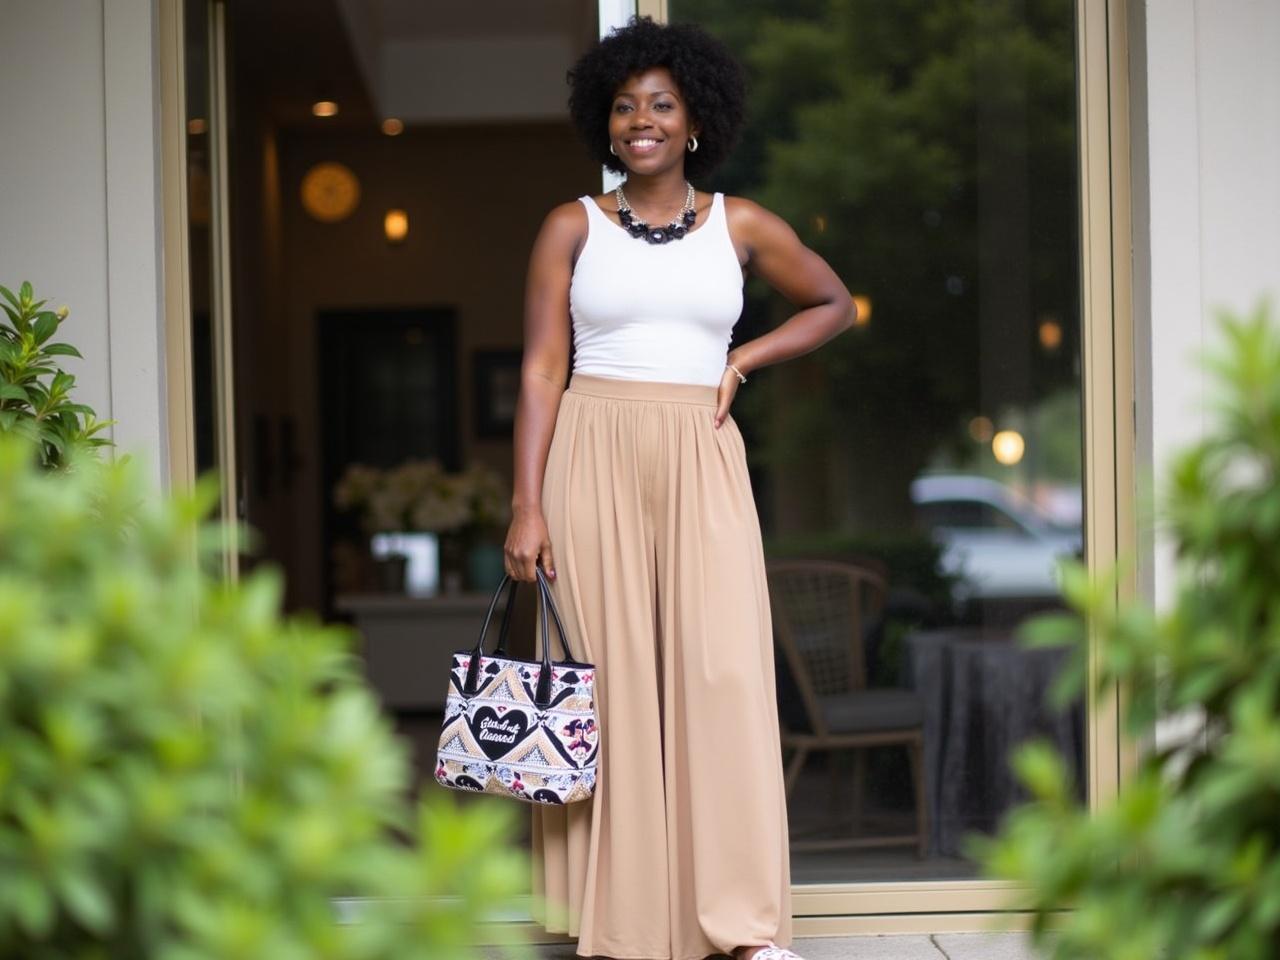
x,y
211,440
935,452
931,153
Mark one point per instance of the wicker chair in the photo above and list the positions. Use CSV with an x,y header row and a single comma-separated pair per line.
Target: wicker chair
x,y
820,609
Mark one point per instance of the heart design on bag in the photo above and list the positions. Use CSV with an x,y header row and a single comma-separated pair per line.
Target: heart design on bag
x,y
498,732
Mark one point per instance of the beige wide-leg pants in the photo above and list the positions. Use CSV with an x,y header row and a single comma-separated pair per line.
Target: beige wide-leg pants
x,y
682,853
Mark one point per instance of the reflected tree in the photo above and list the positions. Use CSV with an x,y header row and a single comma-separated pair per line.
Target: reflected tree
x,y
926,149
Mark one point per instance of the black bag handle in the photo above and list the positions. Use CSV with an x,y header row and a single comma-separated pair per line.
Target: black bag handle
x,y
543,695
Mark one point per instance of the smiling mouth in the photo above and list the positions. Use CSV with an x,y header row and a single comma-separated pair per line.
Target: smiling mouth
x,y
644,144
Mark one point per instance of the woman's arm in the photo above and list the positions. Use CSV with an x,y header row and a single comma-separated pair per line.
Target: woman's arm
x,y
775,253
544,367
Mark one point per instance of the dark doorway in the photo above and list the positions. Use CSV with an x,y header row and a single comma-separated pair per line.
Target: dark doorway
x,y
388,393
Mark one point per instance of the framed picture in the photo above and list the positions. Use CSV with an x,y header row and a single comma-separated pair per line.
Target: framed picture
x,y
495,375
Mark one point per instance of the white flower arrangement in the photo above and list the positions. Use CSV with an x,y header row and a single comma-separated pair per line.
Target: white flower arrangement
x,y
421,496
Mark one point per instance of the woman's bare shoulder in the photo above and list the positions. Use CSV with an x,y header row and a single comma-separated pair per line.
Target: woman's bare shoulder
x,y
569,215
745,211
753,223
563,229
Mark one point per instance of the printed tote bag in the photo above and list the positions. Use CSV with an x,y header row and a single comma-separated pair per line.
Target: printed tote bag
x,y
521,728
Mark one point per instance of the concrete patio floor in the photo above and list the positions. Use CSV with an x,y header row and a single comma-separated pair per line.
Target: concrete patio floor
x,y
937,946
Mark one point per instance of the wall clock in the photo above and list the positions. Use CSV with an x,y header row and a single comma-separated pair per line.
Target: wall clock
x,y
330,192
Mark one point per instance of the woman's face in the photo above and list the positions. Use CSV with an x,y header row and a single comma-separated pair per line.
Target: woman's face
x,y
649,123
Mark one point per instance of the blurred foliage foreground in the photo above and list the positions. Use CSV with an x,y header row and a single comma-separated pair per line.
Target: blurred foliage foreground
x,y
1185,863
185,775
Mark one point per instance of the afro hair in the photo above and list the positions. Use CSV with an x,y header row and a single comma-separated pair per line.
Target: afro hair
x,y
709,76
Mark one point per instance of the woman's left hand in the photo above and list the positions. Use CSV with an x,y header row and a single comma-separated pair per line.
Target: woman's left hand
x,y
729,384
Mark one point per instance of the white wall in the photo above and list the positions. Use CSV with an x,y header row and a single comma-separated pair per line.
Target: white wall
x,y
1206,192
79,203
1206,202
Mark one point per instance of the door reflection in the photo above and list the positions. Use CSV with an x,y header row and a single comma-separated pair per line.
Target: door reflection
x,y
919,478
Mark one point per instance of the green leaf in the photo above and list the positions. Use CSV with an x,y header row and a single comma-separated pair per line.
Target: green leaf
x,y
1040,768
11,391
1076,585
45,326
1217,915
1070,682
32,904
96,426
1051,630
1267,909
25,426
61,350
87,901
54,438
8,295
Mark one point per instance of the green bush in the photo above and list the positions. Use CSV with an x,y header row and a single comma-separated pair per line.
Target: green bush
x,y
185,775
35,393
1185,863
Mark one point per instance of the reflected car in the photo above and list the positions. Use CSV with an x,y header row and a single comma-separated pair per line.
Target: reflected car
x,y
994,541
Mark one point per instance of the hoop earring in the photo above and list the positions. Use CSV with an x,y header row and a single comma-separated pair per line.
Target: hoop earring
x,y
694,141
611,150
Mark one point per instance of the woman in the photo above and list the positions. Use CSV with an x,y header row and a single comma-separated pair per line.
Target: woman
x,y
632,493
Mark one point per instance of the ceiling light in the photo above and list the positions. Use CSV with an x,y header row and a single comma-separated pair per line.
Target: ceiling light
x,y
1050,334
393,126
324,108
396,226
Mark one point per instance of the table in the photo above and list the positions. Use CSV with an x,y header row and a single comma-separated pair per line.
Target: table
x,y
407,641
984,694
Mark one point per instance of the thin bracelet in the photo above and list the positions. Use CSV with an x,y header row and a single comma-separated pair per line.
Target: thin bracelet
x,y
741,378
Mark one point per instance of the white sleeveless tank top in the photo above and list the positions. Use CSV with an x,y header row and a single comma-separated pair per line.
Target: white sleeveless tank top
x,y
648,311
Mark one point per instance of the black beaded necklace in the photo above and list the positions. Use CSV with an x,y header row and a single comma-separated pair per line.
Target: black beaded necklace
x,y
675,230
